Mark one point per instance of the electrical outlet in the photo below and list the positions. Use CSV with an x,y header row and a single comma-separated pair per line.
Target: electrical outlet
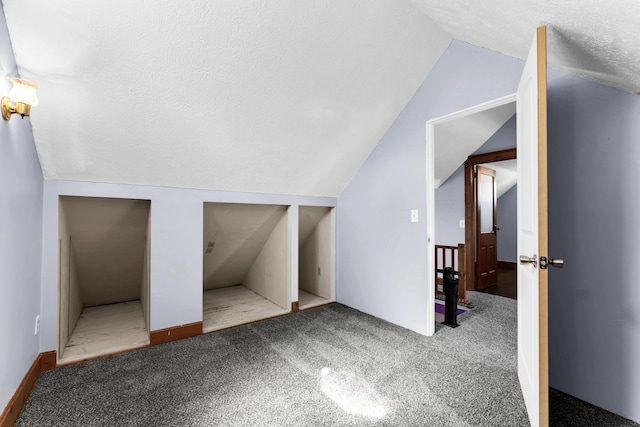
x,y
319,272
37,325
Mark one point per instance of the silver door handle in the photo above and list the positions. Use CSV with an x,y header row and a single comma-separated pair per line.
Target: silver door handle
x,y
544,262
526,260
557,262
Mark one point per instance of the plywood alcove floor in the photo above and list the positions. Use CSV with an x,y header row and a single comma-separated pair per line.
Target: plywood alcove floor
x,y
308,300
106,329
235,305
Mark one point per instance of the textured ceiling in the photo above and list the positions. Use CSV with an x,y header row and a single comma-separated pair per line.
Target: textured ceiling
x,y
280,97
594,39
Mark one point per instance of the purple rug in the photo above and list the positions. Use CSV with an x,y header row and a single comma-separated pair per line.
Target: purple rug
x,y
440,309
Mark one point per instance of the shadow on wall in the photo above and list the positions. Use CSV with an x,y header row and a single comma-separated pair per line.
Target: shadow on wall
x,y
594,344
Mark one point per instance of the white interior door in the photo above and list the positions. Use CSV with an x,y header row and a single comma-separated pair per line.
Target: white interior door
x,y
532,232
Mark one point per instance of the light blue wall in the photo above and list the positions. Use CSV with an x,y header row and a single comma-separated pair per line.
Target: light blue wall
x,y
507,221
382,256
20,237
176,245
594,308
449,197
594,157
449,210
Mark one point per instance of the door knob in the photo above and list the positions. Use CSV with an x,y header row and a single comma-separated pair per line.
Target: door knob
x,y
526,260
557,262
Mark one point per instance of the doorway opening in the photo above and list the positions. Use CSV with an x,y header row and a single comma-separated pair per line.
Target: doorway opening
x,y
450,140
490,232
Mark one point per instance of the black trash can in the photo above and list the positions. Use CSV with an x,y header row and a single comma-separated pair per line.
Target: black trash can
x,y
450,284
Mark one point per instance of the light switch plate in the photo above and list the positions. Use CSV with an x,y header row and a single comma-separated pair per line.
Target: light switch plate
x,y
414,215
461,223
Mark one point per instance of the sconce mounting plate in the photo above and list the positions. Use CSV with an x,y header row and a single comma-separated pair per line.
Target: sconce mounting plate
x,y
7,108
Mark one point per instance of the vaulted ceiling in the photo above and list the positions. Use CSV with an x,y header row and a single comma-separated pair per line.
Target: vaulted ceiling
x,y
282,97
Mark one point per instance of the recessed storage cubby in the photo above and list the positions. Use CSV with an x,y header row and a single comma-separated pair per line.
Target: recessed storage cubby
x,y
316,256
103,276
246,264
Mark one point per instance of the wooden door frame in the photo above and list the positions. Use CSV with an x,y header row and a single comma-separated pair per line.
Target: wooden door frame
x,y
471,208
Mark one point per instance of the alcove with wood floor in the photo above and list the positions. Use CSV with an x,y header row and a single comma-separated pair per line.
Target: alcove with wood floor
x,y
246,264
103,276
316,256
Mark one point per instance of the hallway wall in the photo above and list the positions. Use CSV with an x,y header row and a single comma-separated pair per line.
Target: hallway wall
x,y
507,222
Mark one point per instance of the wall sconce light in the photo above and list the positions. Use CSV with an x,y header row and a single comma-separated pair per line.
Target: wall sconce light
x,y
21,98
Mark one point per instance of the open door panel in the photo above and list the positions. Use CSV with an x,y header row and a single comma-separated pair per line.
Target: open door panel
x,y
532,232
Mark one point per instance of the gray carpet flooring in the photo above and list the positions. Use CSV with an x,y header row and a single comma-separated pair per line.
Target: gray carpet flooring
x,y
331,366
567,411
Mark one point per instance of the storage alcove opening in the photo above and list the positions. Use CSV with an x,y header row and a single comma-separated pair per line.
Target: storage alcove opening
x,y
103,276
245,264
316,258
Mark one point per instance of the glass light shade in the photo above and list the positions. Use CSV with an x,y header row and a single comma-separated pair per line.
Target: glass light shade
x,y
23,91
